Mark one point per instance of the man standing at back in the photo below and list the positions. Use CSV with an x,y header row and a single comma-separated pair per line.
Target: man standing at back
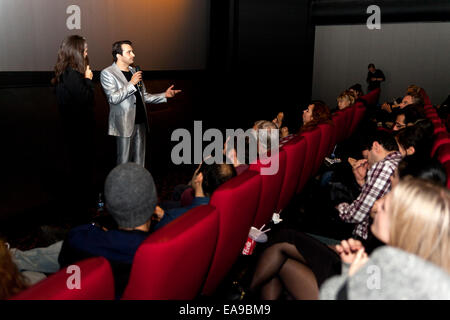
x,y
374,77
127,95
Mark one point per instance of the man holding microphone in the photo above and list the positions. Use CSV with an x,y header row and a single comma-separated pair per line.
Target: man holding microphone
x,y
127,96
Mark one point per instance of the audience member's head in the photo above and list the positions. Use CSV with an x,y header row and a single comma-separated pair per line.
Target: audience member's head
x,y
130,196
346,99
415,217
213,176
11,280
413,140
267,135
237,149
430,170
406,117
371,67
357,90
381,143
413,89
316,113
412,98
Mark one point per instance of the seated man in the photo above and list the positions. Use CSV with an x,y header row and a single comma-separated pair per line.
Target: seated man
x,y
373,176
206,179
130,198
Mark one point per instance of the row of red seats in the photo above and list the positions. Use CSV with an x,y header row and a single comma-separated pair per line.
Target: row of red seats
x,y
441,144
193,254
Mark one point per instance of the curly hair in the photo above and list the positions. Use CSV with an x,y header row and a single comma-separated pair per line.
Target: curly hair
x,y
320,114
11,280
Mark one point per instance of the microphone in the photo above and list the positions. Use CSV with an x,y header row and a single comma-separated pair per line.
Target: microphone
x,y
140,82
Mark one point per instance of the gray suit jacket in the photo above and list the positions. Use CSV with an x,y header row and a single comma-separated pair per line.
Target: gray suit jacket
x,y
122,101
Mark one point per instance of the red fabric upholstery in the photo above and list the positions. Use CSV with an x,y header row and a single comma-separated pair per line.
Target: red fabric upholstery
x,y
96,281
357,117
340,121
236,201
172,263
440,139
295,159
438,129
268,199
311,148
326,141
443,153
426,98
371,97
350,114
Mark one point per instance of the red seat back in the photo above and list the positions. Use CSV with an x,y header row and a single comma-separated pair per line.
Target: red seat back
x,y
295,159
440,139
311,149
443,153
236,201
372,97
326,144
172,263
268,199
349,114
340,121
357,117
426,98
96,283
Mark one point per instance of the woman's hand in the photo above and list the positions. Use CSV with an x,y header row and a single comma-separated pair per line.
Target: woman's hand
x,y
348,250
88,74
360,260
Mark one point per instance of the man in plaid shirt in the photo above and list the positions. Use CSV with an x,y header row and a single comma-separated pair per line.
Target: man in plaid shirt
x,y
375,182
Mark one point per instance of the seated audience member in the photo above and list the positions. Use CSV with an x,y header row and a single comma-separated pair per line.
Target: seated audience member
x,y
12,281
409,99
345,99
413,140
267,136
130,198
206,179
373,175
406,117
316,113
299,263
414,222
357,90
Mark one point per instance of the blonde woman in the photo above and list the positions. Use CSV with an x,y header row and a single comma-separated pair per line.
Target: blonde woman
x,y
346,99
414,220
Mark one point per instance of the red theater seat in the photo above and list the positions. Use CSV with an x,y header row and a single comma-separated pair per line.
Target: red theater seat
x,y
236,201
269,197
326,144
172,263
357,117
426,98
447,170
372,97
440,139
311,149
439,128
295,159
443,153
340,121
349,114
96,283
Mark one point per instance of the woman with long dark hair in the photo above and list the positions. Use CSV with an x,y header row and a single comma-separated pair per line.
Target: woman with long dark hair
x,y
75,97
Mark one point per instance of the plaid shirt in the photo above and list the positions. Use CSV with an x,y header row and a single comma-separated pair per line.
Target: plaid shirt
x,y
377,184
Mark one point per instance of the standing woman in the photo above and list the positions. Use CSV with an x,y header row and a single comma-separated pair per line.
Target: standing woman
x,y
75,97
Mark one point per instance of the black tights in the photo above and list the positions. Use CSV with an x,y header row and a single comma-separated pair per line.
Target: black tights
x,y
280,267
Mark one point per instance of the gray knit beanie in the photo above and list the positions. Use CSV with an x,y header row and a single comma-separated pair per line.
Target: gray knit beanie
x,y
130,195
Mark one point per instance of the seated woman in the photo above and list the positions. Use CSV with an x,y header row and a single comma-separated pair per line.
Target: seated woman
x,y
414,220
346,99
316,113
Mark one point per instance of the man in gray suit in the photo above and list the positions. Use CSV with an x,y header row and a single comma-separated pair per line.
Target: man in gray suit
x,y
127,97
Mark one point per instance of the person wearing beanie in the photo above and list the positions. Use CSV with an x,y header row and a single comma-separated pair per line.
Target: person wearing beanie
x,y
130,198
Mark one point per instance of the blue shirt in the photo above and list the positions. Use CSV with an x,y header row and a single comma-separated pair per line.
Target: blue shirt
x,y
172,214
